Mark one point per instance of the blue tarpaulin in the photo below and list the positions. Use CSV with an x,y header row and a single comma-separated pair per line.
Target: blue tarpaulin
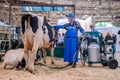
x,y
39,8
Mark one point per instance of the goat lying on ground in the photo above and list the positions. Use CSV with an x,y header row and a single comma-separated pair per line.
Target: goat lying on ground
x,y
14,59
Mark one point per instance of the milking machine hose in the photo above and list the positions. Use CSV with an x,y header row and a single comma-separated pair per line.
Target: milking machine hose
x,y
62,66
54,67
67,64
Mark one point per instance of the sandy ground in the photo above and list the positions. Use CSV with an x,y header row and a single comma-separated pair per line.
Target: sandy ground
x,y
97,72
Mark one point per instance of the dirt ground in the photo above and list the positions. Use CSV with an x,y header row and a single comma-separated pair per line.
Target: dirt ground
x,y
97,72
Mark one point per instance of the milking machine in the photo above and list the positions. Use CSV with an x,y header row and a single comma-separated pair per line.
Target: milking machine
x,y
93,50
108,56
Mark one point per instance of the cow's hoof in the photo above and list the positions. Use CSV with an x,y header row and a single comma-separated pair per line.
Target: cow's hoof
x,y
44,62
3,66
32,71
52,62
25,69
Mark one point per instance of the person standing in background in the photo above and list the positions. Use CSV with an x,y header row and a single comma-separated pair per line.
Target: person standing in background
x,y
114,38
62,39
59,40
107,37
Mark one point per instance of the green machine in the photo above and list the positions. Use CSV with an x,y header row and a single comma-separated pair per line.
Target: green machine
x,y
58,52
94,51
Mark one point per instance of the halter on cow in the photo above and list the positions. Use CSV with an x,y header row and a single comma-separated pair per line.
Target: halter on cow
x,y
37,34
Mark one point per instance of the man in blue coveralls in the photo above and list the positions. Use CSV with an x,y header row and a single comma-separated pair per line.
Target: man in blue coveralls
x,y
70,50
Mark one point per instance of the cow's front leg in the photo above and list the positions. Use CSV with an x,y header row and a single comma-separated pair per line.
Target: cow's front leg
x,y
52,54
44,55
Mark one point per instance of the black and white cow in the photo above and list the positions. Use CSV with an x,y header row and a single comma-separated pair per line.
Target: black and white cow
x,y
37,34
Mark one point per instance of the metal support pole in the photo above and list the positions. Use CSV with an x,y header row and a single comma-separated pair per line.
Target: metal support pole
x,y
9,36
100,2
9,28
51,1
10,13
73,10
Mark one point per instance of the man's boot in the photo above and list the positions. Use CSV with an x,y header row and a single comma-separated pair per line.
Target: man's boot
x,y
74,65
70,63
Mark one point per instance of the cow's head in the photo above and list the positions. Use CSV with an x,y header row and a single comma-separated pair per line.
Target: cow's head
x,y
47,29
45,22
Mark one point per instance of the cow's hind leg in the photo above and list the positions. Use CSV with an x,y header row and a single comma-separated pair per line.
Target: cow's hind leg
x,y
37,43
52,54
26,55
44,55
31,60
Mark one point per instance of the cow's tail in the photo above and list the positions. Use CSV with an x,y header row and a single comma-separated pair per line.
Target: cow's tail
x,y
25,22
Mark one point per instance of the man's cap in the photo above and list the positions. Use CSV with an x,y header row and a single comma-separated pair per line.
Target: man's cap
x,y
70,15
